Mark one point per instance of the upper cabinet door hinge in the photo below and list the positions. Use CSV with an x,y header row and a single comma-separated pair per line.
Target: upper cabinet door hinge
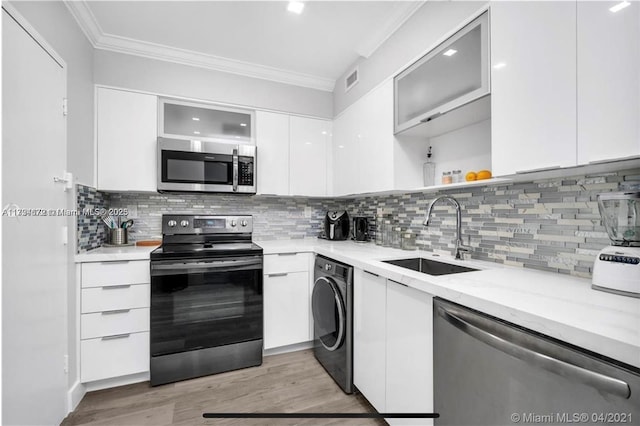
x,y
64,106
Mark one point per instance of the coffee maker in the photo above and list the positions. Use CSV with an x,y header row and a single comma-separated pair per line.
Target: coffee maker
x,y
360,229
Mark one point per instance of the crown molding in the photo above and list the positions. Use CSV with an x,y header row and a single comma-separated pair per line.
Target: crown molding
x,y
85,19
392,24
89,25
197,59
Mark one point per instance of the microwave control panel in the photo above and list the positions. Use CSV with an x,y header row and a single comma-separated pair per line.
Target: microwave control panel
x,y
245,171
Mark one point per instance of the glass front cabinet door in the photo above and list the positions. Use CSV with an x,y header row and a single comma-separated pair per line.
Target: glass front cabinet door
x,y
188,120
453,74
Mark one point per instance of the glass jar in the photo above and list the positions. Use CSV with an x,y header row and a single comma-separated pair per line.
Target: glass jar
x,y
396,237
408,240
386,233
456,177
446,178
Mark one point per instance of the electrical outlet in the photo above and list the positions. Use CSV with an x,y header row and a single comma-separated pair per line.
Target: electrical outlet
x,y
308,211
133,211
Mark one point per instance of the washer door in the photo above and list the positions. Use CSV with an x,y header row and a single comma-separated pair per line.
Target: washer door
x,y
328,313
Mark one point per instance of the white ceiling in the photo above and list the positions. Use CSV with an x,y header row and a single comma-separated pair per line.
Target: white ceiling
x,y
257,38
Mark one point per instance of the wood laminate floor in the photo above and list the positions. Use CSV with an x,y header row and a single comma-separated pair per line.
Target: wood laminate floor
x,y
289,383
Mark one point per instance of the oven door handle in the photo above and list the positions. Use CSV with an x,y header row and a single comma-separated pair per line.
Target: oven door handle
x,y
235,170
215,266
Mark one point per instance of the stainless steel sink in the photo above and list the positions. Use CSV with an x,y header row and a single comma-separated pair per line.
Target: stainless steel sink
x,y
430,267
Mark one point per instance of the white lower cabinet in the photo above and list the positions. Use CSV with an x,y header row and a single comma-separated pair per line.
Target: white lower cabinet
x,y
114,320
369,331
409,377
393,346
287,313
286,309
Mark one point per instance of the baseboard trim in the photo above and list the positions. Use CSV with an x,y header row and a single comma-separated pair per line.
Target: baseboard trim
x,y
290,348
75,395
117,381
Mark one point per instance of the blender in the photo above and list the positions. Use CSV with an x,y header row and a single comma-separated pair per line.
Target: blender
x,y
617,267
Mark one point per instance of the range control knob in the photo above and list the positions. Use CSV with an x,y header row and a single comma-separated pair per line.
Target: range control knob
x,y
244,223
172,223
327,267
233,223
184,223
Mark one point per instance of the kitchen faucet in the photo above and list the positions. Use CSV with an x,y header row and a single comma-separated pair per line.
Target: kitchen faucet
x,y
460,247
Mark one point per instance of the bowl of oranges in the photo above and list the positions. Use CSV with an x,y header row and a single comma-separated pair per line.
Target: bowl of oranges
x,y
480,175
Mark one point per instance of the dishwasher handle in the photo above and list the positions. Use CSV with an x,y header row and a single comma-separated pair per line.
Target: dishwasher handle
x,y
601,382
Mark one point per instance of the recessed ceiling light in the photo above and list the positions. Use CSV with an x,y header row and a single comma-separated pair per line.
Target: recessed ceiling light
x,y
499,65
243,124
450,52
295,7
618,7
340,146
195,132
307,143
195,118
324,132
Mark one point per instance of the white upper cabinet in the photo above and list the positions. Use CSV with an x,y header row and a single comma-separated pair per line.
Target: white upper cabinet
x,y
345,150
533,85
293,154
363,144
272,143
374,157
309,143
188,120
608,81
127,125
453,74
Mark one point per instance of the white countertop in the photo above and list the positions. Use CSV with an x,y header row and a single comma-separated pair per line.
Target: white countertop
x,y
112,254
560,306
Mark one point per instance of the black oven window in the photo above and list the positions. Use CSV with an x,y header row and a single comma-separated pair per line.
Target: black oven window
x,y
201,310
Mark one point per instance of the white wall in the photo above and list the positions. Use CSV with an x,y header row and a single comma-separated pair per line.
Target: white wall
x,y
150,75
426,27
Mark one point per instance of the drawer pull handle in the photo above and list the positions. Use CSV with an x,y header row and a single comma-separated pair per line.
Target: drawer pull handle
x,y
396,282
118,311
115,262
287,254
116,287
282,274
371,273
117,336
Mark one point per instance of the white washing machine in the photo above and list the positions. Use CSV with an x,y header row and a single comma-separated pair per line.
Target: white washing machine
x,y
332,307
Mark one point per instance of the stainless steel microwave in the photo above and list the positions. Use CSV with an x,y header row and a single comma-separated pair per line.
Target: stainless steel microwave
x,y
202,166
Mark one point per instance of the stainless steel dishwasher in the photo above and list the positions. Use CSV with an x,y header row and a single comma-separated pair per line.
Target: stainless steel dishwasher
x,y
491,372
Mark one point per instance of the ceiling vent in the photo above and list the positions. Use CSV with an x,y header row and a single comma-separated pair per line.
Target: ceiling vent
x,y
351,80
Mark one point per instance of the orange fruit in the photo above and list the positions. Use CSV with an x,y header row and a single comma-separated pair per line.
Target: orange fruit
x,y
471,176
484,174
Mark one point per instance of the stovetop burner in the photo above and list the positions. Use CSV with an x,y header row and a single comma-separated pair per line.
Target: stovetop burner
x,y
198,236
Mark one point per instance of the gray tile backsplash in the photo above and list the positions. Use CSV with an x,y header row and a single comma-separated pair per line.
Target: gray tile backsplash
x,y
91,231
550,224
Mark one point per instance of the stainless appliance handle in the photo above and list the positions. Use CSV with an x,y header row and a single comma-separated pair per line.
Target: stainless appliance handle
x,y
235,170
602,382
205,266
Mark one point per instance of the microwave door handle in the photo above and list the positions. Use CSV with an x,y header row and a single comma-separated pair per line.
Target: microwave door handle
x,y
235,170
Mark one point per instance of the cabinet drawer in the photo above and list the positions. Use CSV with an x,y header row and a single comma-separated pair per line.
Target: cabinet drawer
x,y
110,298
286,262
109,323
114,356
102,274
